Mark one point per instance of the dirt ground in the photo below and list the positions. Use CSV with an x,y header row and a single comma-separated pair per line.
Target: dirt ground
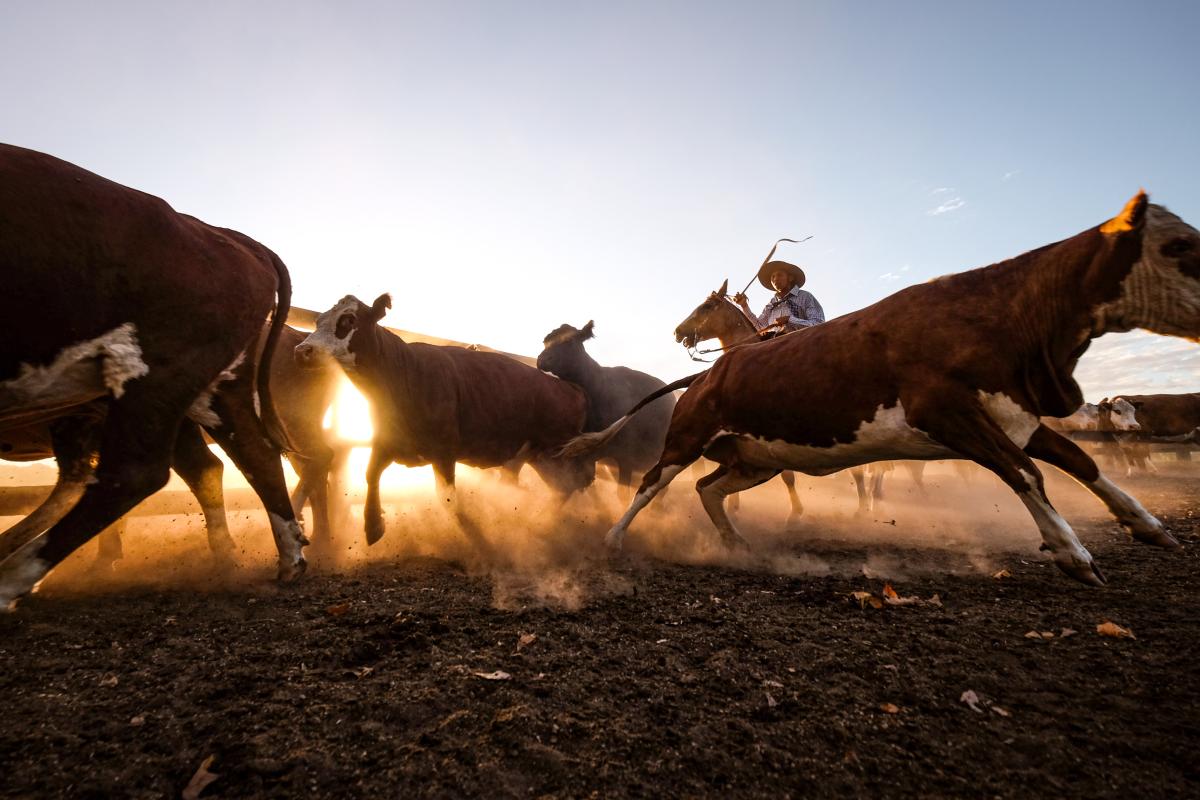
x,y
676,670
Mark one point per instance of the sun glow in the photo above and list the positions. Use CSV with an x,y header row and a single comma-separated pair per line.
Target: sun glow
x,y
349,416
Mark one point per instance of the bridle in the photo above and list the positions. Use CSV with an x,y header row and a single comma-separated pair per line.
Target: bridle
x,y
695,352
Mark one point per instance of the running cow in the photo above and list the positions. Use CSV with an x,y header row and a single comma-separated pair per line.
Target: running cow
x,y
126,301
960,367
440,405
610,392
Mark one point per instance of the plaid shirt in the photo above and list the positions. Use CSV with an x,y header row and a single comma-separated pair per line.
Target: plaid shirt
x,y
798,307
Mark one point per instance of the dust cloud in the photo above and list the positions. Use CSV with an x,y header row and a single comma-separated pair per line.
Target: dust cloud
x,y
537,551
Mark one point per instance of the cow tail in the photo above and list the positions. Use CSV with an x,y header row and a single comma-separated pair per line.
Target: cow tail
x,y
283,304
587,443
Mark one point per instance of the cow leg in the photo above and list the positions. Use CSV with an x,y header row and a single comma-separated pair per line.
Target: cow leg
x,y
654,482
242,435
135,458
75,441
965,427
312,488
203,473
1053,448
917,470
373,509
860,484
877,472
724,481
112,549
443,475
797,510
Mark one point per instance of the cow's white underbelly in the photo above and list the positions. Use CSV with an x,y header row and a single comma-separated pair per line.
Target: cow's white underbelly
x,y
79,374
885,437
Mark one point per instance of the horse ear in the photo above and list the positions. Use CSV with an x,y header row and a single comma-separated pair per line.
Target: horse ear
x,y
724,290
379,307
586,331
1131,217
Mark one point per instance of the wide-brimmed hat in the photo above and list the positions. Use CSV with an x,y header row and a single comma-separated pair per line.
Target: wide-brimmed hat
x,y
771,267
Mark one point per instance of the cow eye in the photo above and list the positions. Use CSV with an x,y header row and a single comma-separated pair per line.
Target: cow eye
x,y
1177,247
345,324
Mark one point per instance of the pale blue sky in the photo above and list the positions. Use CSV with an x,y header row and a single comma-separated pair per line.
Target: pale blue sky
x,y
501,168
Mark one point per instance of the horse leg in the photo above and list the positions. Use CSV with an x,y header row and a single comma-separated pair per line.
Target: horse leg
x,y
797,510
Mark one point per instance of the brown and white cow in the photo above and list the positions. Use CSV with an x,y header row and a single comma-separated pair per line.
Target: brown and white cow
x,y
116,296
1165,415
440,405
959,367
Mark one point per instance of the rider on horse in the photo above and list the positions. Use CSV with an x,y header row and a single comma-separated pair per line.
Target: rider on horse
x,y
791,308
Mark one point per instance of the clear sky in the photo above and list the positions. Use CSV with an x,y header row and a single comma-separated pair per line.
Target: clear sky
x,y
501,168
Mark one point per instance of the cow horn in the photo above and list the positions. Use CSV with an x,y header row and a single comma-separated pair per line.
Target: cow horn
x,y
1131,217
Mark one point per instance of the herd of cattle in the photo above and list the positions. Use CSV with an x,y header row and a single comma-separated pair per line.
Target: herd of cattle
x,y
133,331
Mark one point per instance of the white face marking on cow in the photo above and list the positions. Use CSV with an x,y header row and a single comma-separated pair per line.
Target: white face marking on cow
x,y
885,437
81,372
1157,295
324,338
1124,415
21,572
1017,423
201,409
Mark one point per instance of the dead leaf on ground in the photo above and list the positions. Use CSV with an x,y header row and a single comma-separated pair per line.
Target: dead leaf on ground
x,y
1001,574
889,708
200,780
1067,632
109,681
1002,712
1114,630
497,675
1039,635
361,672
138,721
338,609
972,700
526,639
771,701
865,598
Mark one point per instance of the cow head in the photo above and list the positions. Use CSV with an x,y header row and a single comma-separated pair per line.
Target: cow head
x,y
562,350
336,332
1123,415
1161,293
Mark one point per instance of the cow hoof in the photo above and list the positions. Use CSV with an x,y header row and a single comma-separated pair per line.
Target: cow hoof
x,y
1082,571
291,572
735,542
374,532
1157,537
613,540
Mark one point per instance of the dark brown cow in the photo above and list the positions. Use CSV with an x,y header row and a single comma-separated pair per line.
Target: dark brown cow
x,y
960,367
119,296
610,392
441,405
1166,415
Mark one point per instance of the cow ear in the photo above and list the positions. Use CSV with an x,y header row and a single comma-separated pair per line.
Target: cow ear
x,y
724,290
586,331
1131,217
380,307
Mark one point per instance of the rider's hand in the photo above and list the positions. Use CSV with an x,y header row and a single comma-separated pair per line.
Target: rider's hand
x,y
740,299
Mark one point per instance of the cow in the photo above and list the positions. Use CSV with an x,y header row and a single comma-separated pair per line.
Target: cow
x,y
443,405
963,366
1165,418
610,392
123,299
